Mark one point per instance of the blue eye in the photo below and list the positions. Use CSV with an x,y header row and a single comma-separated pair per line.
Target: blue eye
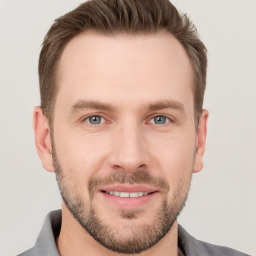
x,y
160,120
95,120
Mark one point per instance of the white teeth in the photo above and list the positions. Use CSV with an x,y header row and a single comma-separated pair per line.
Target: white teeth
x,y
116,193
127,194
140,194
124,194
134,194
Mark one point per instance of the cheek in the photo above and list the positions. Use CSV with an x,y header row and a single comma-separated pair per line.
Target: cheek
x,y
173,155
176,166
86,155
80,155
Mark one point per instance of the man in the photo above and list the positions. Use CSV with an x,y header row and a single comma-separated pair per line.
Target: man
x,y
121,124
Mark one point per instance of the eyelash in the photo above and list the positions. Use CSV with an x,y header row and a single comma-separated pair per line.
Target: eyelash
x,y
168,119
91,116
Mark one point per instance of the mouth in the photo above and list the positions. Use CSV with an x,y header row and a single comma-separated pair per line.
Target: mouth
x,y
127,194
128,197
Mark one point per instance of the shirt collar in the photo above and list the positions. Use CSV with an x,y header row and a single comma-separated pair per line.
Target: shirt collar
x,y
46,245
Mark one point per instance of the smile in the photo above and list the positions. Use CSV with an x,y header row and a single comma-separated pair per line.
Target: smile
x,y
127,194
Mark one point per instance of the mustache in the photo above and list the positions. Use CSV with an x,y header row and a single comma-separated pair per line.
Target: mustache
x,y
120,177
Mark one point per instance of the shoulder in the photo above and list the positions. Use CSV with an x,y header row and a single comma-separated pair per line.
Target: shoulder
x,y
45,242
30,252
191,246
210,249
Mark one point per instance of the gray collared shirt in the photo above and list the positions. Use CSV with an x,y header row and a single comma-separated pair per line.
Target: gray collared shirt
x,y
46,246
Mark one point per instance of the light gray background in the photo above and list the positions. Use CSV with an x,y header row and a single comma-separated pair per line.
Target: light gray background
x,y
221,208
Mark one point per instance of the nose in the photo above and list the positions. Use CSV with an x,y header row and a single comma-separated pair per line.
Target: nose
x,y
129,149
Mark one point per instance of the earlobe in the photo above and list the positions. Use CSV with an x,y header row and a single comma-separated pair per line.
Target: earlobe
x,y
42,138
200,141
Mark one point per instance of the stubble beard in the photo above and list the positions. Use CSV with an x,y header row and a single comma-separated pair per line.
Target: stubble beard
x,y
140,237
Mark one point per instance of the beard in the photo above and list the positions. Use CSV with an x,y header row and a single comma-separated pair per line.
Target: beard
x,y
141,237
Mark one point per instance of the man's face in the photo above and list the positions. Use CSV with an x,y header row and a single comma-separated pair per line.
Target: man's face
x,y
124,136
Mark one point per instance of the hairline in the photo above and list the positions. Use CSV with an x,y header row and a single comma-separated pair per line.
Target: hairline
x,y
115,34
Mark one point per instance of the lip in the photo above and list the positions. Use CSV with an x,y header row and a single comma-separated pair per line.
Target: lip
x,y
129,188
129,202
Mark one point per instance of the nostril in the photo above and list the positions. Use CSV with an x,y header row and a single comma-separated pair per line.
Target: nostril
x,y
142,167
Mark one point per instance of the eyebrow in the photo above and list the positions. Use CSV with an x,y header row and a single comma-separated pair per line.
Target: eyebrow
x,y
158,105
167,104
88,104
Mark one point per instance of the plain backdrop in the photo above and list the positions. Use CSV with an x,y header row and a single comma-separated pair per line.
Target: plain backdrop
x,y
221,208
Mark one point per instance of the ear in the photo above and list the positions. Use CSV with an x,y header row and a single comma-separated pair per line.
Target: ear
x,y
200,141
42,138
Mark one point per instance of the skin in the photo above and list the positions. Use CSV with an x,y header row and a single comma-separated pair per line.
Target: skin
x,y
118,71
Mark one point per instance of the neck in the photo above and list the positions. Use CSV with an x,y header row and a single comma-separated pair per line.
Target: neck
x,y
75,240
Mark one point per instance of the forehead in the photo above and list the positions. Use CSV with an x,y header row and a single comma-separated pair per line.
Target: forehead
x,y
142,67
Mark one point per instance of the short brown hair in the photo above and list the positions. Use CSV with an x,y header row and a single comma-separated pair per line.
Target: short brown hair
x,y
120,16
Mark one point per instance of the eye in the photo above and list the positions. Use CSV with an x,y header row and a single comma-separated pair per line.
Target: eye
x,y
160,120
94,120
